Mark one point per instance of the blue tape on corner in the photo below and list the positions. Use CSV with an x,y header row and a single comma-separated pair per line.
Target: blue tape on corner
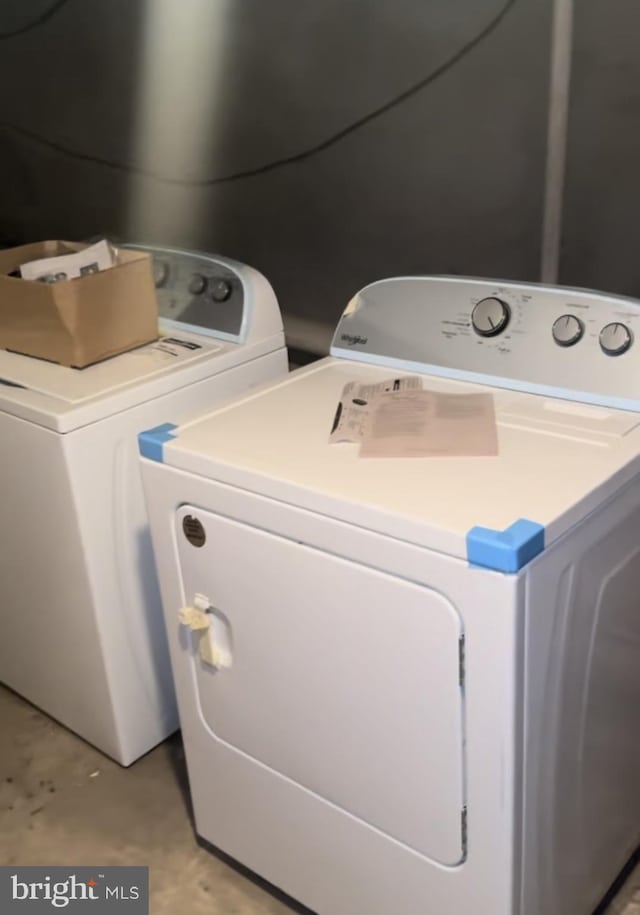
x,y
151,443
508,550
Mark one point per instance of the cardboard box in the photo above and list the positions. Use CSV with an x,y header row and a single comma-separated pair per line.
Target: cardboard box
x,y
80,321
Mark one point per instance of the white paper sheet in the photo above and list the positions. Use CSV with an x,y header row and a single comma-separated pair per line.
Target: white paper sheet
x,y
97,257
355,404
397,418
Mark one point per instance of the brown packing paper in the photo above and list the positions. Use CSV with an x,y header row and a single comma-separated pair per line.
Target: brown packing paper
x,y
80,321
430,424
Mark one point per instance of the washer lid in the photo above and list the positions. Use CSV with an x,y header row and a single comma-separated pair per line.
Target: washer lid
x,y
557,461
64,398
74,386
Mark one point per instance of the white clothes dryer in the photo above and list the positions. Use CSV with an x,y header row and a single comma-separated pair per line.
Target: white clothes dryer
x,y
413,685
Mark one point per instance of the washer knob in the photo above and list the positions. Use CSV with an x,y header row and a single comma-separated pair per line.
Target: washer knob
x,y
567,330
490,316
615,339
160,273
197,284
220,291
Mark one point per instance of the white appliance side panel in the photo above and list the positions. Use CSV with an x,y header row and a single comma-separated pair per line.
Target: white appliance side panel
x,y
341,676
50,651
582,812
319,854
105,472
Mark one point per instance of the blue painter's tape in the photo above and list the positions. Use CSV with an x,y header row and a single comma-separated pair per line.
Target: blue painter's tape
x,y
508,550
151,443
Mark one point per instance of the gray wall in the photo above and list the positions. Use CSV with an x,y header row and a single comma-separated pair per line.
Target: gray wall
x,y
451,180
602,197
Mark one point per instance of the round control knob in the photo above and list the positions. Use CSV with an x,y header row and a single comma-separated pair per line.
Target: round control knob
x,y
197,284
615,339
490,317
567,330
160,273
220,291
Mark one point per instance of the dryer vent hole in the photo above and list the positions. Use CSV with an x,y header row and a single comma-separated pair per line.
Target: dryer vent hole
x,y
194,531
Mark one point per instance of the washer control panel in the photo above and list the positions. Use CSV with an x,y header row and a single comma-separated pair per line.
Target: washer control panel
x,y
570,343
199,291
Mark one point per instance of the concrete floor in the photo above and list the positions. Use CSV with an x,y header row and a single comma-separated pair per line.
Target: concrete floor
x,y
62,802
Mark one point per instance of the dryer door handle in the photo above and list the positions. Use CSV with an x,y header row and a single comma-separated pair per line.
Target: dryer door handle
x,y
213,631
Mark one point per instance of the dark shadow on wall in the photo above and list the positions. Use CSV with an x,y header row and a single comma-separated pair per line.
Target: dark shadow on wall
x,y
602,195
449,180
67,81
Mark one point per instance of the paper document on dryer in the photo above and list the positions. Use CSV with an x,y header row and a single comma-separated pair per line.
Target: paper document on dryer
x,y
356,401
417,423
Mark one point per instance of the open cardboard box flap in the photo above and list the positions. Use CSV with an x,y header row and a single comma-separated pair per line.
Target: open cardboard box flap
x,y
80,321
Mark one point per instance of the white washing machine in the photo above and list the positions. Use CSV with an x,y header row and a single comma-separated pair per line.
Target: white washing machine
x,y
413,685
81,628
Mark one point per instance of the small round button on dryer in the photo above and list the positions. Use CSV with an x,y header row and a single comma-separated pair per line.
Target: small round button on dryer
x,y
615,339
567,330
197,284
220,290
490,316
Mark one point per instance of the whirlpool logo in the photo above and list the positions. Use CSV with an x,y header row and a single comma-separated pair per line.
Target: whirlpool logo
x,y
33,890
353,339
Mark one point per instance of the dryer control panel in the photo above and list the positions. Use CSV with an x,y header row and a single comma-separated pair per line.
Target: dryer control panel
x,y
569,343
197,291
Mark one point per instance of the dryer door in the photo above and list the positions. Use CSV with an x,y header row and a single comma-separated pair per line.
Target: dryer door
x,y
336,676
